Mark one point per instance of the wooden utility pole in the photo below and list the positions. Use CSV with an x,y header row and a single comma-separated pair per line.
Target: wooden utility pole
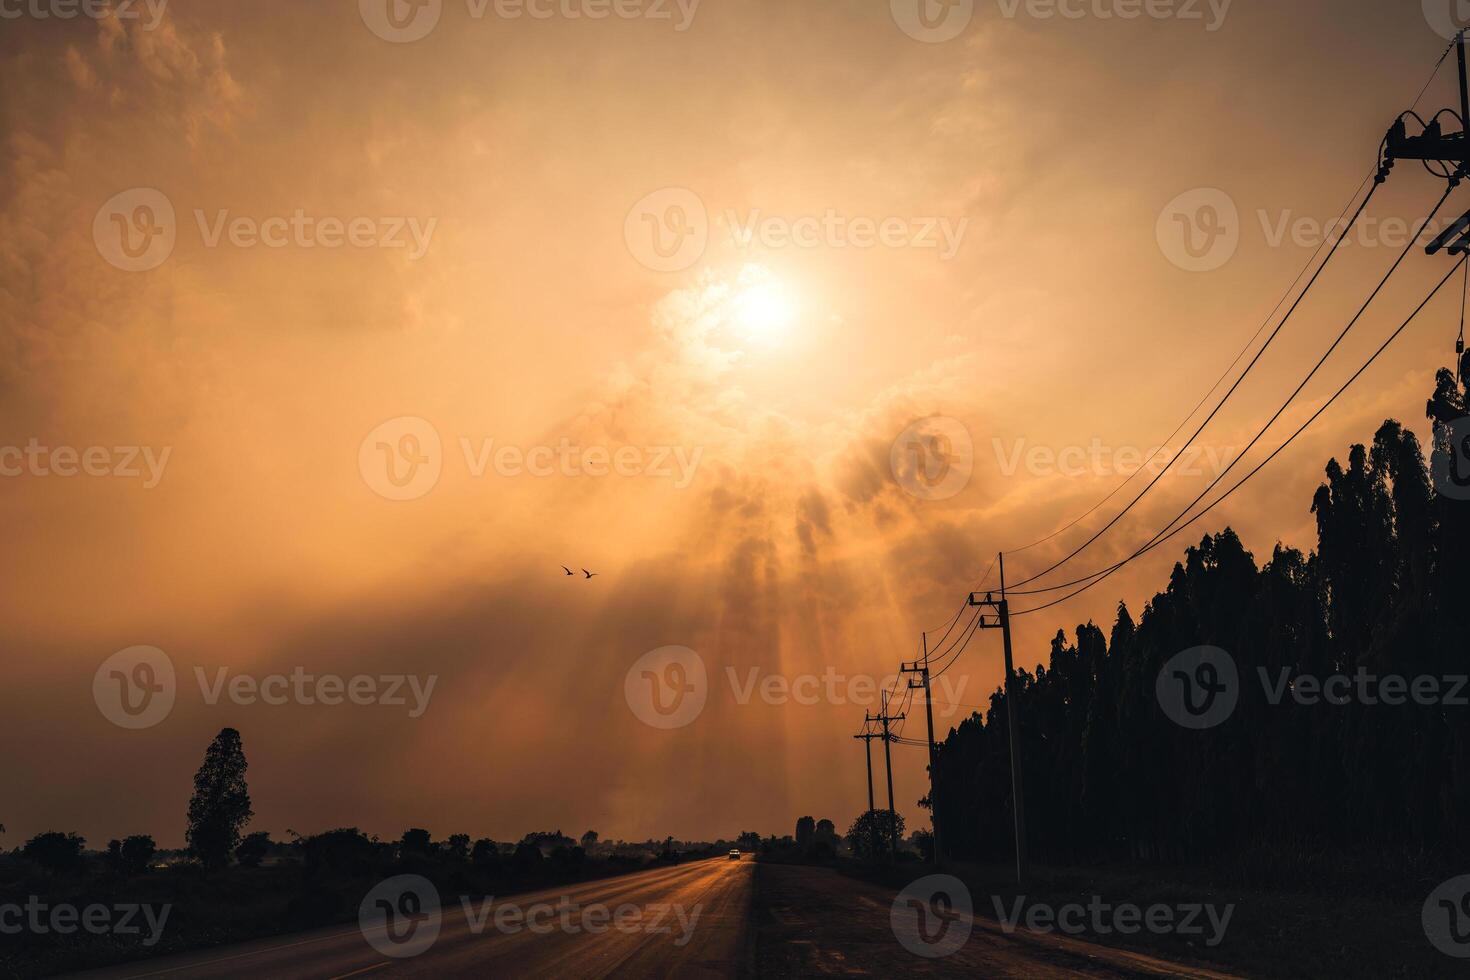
x,y
888,764
921,667
867,738
1003,623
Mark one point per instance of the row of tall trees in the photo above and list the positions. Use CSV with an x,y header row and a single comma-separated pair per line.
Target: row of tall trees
x,y
1108,775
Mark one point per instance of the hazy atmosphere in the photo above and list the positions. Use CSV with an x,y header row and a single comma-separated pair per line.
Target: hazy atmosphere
x,y
372,334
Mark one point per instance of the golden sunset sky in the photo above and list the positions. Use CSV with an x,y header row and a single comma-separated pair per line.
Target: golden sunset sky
x,y
530,155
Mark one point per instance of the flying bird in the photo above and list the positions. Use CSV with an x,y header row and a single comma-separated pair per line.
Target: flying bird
x,y
589,574
568,570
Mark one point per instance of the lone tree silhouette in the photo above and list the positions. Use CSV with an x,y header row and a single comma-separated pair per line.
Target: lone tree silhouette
x,y
220,806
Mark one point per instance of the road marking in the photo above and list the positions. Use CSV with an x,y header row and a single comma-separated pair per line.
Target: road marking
x,y
366,969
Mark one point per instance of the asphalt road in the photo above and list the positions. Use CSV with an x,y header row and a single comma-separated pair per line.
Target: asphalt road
x,y
713,918
686,921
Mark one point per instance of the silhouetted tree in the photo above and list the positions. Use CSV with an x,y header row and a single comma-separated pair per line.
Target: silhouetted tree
x,y
485,854
805,828
136,854
871,833
220,806
1108,775
55,851
253,849
416,840
458,846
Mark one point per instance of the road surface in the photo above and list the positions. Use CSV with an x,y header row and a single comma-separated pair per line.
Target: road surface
x,y
712,918
649,937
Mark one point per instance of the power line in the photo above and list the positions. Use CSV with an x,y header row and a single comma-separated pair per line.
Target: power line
x,y
1161,446
1216,410
1272,421
1292,438
1433,73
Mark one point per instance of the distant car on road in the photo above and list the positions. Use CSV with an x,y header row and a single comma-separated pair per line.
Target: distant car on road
x,y
734,854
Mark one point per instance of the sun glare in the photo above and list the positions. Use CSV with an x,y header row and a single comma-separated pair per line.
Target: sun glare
x,y
763,311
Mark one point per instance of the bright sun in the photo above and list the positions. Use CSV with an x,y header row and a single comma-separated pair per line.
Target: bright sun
x,y
763,310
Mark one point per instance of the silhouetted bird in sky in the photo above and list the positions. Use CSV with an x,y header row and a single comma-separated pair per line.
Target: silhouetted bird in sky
x,y
568,570
587,573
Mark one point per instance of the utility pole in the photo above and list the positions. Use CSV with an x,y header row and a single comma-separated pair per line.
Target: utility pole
x,y
888,764
1433,143
921,667
867,738
1018,804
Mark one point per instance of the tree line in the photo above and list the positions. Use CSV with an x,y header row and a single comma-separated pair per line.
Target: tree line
x,y
1108,775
